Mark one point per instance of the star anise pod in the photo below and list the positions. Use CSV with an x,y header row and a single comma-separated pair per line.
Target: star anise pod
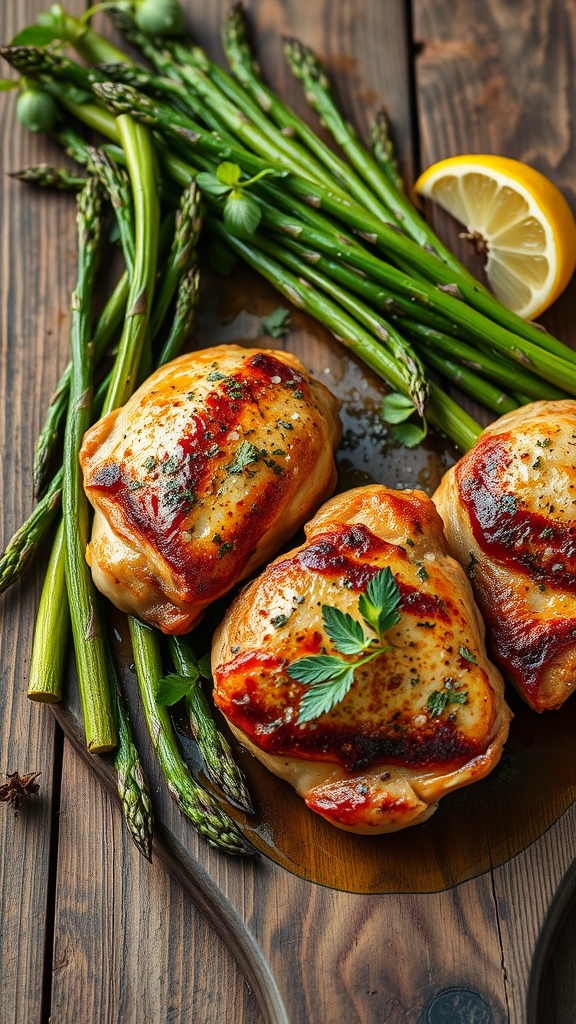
x,y
19,788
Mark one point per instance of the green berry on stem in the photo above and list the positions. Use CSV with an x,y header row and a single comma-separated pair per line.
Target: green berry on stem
x,y
36,110
159,17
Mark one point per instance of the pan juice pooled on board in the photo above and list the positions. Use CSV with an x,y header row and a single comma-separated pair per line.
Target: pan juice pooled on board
x,y
219,457
354,666
509,510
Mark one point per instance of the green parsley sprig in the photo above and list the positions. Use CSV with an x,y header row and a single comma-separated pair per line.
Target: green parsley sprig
x,y
397,409
277,323
241,212
328,676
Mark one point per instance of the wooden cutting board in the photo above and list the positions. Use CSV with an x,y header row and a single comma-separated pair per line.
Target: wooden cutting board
x,y
449,922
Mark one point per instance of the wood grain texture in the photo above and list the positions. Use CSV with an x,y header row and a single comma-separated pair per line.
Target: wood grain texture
x,y
496,78
34,295
128,944
132,947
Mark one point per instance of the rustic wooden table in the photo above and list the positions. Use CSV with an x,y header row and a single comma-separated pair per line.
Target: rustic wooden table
x,y
91,932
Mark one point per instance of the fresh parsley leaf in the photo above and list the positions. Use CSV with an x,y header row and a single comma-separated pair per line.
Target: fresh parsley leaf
x,y
318,668
439,700
246,454
465,653
321,698
345,632
277,323
173,687
242,214
204,666
324,692
378,605
329,676
210,184
409,434
228,173
396,408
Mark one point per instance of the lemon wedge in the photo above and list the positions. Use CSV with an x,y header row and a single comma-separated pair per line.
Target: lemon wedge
x,y
514,216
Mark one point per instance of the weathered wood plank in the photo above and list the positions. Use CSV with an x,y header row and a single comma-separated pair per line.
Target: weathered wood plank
x,y
35,280
496,78
129,945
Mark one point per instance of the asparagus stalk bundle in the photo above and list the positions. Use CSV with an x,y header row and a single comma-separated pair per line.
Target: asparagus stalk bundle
x,y
335,234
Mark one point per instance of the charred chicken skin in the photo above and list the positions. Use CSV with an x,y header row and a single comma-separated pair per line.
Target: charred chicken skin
x,y
509,510
423,718
214,462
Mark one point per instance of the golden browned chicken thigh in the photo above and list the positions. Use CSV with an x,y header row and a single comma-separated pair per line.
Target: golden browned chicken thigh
x,y
216,460
509,509
421,719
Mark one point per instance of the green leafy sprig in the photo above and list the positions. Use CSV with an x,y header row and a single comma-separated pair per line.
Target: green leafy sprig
x,y
328,676
397,409
241,212
174,686
277,323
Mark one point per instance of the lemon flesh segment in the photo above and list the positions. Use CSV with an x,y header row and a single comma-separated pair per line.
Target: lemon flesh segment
x,y
530,244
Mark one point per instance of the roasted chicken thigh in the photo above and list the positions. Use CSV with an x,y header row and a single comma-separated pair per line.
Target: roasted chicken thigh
x,y
217,459
423,718
509,510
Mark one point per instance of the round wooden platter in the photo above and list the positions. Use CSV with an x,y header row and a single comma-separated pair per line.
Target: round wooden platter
x,y
442,922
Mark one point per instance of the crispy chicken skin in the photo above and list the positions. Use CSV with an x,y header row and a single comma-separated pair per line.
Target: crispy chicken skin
x,y
217,459
382,758
509,510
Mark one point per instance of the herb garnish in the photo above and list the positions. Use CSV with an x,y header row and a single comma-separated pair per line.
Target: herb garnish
x,y
465,653
246,454
277,322
440,699
241,211
396,409
329,676
174,686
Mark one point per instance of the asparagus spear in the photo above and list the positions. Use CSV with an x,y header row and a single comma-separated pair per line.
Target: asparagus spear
x,y
32,61
503,372
142,168
45,176
186,303
106,327
553,363
383,149
89,642
246,70
415,378
468,381
307,68
195,802
24,543
214,747
224,102
132,784
181,255
115,180
401,311
52,629
442,411
401,249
